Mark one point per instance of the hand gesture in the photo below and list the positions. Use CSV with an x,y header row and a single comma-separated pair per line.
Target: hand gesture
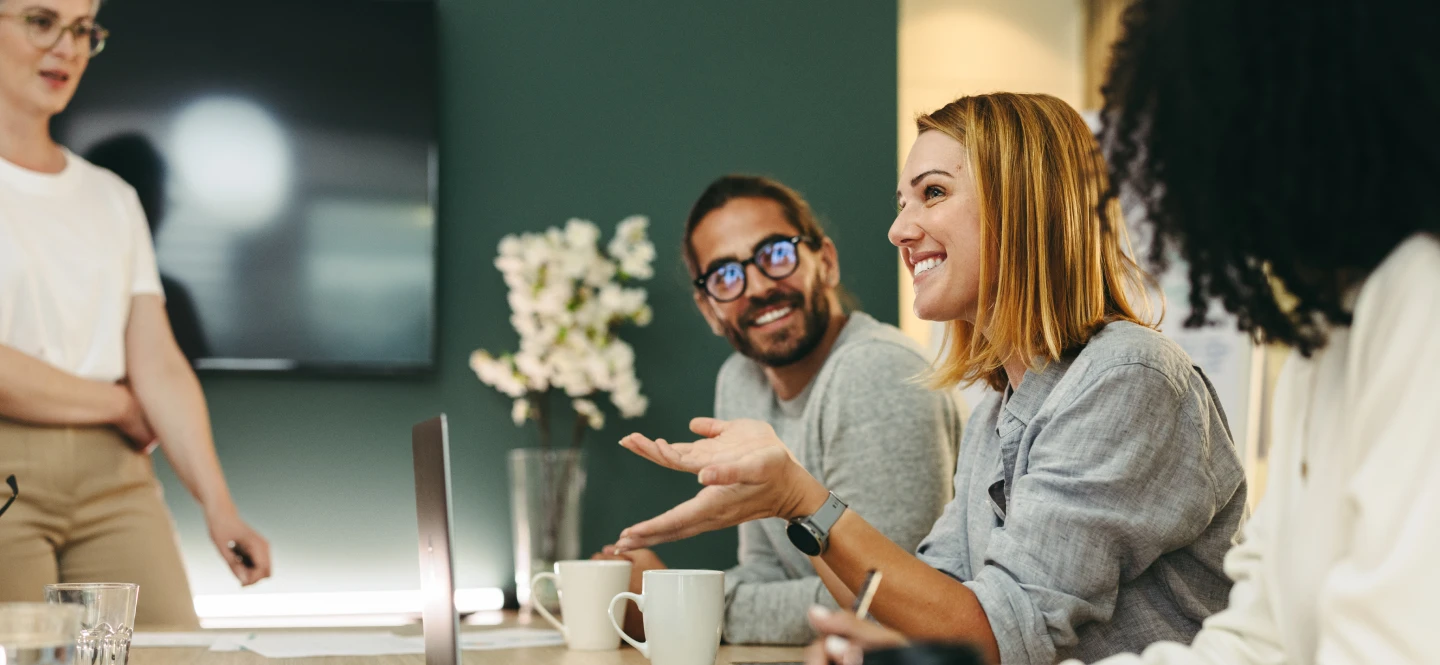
x,y
748,474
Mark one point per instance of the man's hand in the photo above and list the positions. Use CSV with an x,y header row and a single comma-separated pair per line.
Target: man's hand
x,y
640,561
748,472
844,638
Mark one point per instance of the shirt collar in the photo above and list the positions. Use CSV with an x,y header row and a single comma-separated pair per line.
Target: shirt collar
x,y
1024,402
35,182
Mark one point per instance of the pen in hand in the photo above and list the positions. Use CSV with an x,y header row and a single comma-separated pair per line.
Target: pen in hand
x,y
861,607
241,554
837,646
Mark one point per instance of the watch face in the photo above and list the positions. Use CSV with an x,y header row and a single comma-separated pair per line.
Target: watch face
x,y
803,539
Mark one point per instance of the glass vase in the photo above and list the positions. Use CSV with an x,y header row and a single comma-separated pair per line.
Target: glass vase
x,y
545,491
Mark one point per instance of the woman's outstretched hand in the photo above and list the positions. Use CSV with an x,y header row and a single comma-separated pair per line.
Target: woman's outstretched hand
x,y
748,474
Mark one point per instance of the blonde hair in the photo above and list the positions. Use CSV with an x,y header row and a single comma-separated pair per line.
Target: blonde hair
x,y
1055,266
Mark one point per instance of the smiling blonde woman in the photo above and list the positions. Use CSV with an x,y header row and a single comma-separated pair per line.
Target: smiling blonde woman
x,y
1095,494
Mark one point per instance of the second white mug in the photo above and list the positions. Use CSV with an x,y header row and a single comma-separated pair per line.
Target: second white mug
x,y
684,611
586,588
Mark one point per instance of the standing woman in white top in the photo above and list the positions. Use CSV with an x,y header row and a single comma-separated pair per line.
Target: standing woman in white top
x,y
90,376
1295,145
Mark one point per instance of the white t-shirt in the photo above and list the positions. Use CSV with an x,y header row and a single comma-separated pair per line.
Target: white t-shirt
x,y
1339,564
74,249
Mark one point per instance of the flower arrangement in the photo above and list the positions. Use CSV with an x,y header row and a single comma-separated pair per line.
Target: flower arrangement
x,y
568,298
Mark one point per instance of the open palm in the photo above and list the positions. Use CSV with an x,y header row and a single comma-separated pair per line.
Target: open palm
x,y
748,472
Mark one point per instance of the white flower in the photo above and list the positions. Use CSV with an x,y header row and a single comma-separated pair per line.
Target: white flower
x,y
520,412
581,234
511,266
525,325
618,302
554,239
497,372
637,265
599,372
631,229
534,252
567,298
620,355
536,372
553,299
520,303
510,246
630,404
590,316
600,272
590,412
632,249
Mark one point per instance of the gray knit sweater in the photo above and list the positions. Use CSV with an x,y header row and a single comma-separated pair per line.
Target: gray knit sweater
x,y
871,434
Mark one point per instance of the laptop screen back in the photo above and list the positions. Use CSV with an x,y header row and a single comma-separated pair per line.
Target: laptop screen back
x,y
432,506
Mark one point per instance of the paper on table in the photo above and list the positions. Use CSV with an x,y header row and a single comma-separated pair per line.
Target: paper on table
x,y
372,643
214,640
510,638
312,644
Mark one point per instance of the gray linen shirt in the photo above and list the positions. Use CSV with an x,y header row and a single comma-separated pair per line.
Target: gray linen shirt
x,y
869,433
1095,503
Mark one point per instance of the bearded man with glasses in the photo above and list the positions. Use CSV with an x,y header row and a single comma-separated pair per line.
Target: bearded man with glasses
x,y
838,387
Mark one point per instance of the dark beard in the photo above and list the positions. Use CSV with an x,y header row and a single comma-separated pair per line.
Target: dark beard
x,y
788,350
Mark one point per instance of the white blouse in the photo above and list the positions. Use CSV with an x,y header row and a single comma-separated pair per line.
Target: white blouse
x,y
1341,562
74,249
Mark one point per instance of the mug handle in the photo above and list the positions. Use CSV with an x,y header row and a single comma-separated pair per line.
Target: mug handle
x,y
644,647
540,607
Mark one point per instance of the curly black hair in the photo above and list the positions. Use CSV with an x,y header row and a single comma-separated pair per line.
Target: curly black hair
x,y
1277,142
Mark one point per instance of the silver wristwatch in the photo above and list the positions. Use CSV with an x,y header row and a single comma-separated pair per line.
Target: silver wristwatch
x,y
811,535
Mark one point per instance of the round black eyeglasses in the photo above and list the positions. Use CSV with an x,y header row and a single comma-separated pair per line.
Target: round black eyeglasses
x,y
776,259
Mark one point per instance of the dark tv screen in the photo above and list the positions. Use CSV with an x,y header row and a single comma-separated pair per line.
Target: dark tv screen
x,y
285,153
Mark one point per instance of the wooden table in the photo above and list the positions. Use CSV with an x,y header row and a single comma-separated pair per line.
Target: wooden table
x,y
535,656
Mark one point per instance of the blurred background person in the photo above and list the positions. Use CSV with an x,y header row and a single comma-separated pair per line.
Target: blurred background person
x,y
90,375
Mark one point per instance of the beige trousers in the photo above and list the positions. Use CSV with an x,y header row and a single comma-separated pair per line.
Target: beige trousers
x,y
90,510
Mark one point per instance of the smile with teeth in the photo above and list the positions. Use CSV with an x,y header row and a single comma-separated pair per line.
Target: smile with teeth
x,y
772,316
927,265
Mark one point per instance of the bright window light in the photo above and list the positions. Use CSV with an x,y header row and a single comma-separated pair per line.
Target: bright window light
x,y
354,608
233,158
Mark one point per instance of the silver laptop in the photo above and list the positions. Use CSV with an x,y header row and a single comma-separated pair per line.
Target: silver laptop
x,y
431,440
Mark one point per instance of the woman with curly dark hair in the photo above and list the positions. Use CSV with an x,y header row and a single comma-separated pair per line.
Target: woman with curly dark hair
x,y
1289,152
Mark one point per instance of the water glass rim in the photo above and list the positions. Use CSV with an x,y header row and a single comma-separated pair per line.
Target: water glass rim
x,y
87,586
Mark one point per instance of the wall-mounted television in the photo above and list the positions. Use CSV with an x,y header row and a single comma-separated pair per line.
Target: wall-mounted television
x,y
285,151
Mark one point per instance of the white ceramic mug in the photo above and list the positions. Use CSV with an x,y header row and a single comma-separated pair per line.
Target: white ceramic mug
x,y
683,614
586,588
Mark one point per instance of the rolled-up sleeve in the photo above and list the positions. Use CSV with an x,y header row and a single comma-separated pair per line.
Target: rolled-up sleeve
x,y
1115,479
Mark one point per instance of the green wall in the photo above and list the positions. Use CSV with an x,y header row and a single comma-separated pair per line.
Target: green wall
x,y
552,110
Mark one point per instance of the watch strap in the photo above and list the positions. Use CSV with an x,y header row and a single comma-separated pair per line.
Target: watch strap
x,y
828,515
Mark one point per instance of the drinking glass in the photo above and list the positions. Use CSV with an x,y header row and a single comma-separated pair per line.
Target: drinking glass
x,y
38,633
106,622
